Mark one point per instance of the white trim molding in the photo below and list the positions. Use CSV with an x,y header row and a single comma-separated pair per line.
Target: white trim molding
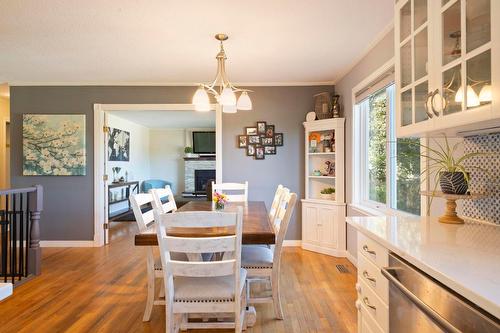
x,y
100,158
351,258
171,84
63,243
292,243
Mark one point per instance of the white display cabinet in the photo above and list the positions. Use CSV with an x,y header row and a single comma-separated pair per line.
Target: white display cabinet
x,y
323,217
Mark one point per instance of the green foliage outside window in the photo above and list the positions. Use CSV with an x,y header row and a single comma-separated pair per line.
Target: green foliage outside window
x,y
377,147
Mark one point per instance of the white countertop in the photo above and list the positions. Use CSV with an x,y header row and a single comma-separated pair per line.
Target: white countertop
x,y
466,257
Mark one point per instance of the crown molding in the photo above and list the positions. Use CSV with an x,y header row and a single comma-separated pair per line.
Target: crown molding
x,y
169,84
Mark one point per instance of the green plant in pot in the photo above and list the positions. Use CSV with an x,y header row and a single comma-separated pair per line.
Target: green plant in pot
x,y
328,193
188,151
448,167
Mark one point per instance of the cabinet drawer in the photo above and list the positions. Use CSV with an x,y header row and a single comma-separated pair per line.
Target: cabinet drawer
x,y
372,250
374,306
371,275
366,322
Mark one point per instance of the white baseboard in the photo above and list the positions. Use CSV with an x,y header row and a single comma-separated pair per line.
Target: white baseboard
x,y
292,242
324,250
78,243
351,258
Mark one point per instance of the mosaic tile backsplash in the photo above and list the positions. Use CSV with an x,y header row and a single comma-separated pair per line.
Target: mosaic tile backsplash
x,y
487,209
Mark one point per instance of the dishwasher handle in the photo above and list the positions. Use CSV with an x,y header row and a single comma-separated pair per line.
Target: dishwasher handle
x,y
389,273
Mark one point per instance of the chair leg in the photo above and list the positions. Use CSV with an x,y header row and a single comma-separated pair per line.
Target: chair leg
x,y
151,294
170,318
162,290
275,285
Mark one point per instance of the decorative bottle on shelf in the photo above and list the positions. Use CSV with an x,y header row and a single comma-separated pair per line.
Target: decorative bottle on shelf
x,y
126,176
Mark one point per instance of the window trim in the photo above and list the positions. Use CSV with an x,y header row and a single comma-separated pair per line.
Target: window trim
x,y
357,202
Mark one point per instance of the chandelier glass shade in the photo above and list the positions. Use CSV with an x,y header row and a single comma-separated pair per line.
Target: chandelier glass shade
x,y
221,88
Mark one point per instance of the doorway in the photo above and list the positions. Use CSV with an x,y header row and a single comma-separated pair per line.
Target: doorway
x,y
125,160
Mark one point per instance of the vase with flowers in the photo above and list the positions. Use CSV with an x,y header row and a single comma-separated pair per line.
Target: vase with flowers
x,y
220,200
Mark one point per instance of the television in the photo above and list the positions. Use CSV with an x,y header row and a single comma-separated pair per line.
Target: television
x,y
204,142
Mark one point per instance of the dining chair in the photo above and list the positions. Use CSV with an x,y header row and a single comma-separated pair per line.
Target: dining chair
x,y
161,193
145,218
202,287
263,263
276,201
229,189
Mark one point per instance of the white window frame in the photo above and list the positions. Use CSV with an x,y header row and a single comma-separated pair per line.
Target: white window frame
x,y
359,197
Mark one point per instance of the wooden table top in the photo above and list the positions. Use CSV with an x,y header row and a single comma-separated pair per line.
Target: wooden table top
x,y
256,226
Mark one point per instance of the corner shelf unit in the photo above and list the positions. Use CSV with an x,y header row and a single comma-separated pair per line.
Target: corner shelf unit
x,y
323,220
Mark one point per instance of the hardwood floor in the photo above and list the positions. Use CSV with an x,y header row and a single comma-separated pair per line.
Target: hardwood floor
x,y
104,290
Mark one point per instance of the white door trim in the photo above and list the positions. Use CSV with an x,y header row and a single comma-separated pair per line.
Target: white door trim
x,y
99,110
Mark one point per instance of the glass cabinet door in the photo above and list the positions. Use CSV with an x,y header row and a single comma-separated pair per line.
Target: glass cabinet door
x,y
413,60
466,54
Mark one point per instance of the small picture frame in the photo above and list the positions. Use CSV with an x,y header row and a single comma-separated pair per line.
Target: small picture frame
x,y
278,139
267,141
242,141
261,127
251,130
269,131
259,153
254,139
270,150
250,150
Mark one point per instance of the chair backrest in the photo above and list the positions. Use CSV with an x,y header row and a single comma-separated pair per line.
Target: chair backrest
x,y
276,202
161,193
282,220
230,243
143,219
229,188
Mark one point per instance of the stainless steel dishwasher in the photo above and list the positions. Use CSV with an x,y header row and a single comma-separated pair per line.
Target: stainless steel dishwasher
x,y
419,303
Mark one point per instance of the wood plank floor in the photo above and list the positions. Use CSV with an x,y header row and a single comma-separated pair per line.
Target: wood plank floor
x,y
104,290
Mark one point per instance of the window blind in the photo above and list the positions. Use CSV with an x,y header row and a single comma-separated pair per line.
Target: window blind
x,y
380,82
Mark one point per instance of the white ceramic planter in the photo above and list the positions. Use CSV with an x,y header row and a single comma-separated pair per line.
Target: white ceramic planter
x,y
327,196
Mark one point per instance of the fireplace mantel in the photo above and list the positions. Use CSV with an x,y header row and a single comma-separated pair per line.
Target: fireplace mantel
x,y
200,158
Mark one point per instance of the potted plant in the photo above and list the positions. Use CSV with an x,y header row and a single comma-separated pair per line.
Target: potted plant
x,y
188,151
448,167
327,193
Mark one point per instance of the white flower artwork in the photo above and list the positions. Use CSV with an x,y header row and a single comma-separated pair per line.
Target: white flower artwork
x,y
54,145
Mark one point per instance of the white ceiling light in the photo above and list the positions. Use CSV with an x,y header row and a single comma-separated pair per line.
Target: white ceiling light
x,y
223,90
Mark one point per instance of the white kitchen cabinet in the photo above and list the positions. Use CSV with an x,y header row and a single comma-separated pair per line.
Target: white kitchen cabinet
x,y
323,219
447,66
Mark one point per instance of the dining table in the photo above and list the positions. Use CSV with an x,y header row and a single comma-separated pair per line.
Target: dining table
x,y
257,228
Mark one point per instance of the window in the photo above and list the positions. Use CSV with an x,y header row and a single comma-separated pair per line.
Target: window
x,y
387,170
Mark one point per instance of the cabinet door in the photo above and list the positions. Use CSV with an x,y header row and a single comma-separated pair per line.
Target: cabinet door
x,y
413,65
310,224
465,56
328,235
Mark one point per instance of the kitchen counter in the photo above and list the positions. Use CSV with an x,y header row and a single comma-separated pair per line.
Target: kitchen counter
x,y
465,258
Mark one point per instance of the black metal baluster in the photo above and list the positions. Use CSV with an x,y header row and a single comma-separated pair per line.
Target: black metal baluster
x,y
21,238
3,241
28,230
7,250
13,239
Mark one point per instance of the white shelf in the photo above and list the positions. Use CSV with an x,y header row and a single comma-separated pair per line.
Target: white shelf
x,y
322,177
315,154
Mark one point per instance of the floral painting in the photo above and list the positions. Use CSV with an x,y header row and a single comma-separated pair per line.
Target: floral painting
x,y
118,145
54,145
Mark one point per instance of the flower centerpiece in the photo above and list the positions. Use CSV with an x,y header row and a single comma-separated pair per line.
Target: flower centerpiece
x,y
219,199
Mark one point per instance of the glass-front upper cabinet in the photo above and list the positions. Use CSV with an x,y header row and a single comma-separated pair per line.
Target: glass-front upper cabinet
x,y
447,65
412,63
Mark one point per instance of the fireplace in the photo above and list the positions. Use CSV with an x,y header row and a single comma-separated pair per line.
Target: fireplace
x,y
201,178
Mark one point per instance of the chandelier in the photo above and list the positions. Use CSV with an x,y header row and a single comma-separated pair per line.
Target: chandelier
x,y
221,88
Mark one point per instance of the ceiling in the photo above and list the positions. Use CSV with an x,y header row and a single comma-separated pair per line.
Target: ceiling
x,y
169,119
271,42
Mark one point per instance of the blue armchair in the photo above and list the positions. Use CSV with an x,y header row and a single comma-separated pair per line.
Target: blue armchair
x,y
154,183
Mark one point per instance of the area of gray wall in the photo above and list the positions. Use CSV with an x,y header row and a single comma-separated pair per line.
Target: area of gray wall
x,y
68,211
376,57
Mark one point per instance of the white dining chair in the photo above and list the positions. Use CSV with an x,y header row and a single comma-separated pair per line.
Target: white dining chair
x,y
263,263
164,206
229,189
276,201
202,287
145,218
